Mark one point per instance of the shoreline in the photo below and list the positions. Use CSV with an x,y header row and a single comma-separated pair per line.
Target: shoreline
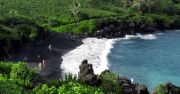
x,y
93,50
61,43
53,59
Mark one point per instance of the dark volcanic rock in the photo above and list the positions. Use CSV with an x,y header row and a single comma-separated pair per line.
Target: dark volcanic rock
x,y
127,27
149,30
141,89
127,86
170,89
123,80
110,32
130,88
86,74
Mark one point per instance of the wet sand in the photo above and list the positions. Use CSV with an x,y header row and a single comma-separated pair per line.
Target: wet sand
x,y
61,44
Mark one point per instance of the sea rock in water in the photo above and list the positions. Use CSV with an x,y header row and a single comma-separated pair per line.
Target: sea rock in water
x,y
123,80
141,89
129,88
86,73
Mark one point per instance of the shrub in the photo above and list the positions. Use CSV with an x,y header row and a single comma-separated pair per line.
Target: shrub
x,y
5,68
8,34
44,89
55,83
177,9
109,83
160,89
21,75
76,88
8,87
109,76
33,34
70,78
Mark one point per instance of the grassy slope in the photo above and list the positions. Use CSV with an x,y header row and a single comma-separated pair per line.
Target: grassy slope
x,y
48,12
55,15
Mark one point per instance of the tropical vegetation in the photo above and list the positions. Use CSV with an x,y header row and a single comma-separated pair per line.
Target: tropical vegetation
x,y
16,78
22,21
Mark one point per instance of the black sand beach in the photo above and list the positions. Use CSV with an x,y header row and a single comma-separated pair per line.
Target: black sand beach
x,y
61,44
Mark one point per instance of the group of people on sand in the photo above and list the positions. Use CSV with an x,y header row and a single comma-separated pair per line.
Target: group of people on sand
x,y
41,64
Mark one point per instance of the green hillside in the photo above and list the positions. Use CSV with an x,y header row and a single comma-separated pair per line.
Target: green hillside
x,y
55,13
52,14
26,18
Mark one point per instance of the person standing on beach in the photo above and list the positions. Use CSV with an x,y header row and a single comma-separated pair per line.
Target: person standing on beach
x,y
43,63
25,58
50,47
39,57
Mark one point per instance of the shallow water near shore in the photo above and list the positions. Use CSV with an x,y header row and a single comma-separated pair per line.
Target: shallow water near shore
x,y
148,59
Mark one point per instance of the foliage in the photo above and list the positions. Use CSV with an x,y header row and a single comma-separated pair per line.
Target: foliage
x,y
109,83
60,13
8,34
9,82
5,68
56,83
70,77
14,27
76,88
86,26
21,75
20,81
7,86
177,9
44,89
151,18
20,19
161,89
108,76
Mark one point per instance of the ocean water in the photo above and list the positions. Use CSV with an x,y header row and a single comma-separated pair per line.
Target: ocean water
x,y
148,59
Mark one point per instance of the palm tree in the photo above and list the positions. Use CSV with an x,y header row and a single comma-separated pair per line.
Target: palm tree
x,y
168,6
149,3
164,6
13,14
138,3
75,9
126,3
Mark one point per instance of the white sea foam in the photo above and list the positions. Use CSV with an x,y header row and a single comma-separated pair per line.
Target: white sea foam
x,y
94,50
129,37
146,36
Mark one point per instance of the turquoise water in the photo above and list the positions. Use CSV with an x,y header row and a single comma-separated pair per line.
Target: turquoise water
x,y
148,61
